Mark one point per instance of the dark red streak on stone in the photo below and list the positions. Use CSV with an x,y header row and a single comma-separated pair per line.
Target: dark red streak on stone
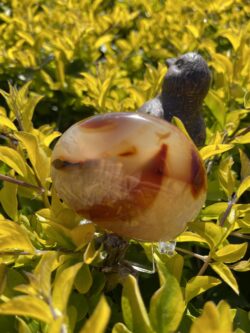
x,y
198,179
139,198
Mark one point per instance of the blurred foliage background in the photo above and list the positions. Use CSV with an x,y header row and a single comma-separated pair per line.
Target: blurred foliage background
x,y
64,60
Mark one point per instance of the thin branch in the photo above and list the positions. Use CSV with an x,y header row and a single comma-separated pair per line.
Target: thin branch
x,y
205,265
239,235
195,255
21,183
228,210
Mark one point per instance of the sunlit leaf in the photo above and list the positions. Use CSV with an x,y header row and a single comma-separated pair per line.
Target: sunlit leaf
x,y
120,328
198,284
211,232
133,308
27,306
245,185
98,321
8,199
226,275
4,121
13,159
164,314
64,282
14,237
37,155
214,319
22,326
231,252
216,106
212,150
245,164
227,177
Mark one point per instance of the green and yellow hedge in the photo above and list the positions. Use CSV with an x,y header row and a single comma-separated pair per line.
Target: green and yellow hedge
x,y
61,61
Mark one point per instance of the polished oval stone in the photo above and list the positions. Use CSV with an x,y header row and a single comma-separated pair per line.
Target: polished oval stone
x,y
130,173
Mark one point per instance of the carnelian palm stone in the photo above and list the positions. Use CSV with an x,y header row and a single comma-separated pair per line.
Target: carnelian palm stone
x,y
130,173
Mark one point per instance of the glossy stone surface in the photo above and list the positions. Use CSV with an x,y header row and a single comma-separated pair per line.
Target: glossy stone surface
x,y
130,173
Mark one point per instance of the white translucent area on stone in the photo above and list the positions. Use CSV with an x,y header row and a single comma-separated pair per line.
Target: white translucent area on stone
x,y
132,174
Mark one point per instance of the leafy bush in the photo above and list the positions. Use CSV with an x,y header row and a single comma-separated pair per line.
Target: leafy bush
x,y
71,59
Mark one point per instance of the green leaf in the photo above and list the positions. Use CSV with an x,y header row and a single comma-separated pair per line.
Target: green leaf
x,y
173,263
133,308
226,275
120,328
98,321
227,177
214,149
245,165
245,185
22,326
188,236
217,106
83,280
14,237
231,252
13,159
178,123
63,285
214,319
247,100
8,199
27,306
211,232
43,271
37,155
164,314
198,284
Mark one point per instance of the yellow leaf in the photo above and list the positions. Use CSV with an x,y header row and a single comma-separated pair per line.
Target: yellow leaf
x,y
212,150
226,275
14,237
198,284
82,234
245,164
134,311
37,155
13,159
51,137
43,271
8,199
99,319
5,121
245,185
63,285
26,37
231,252
214,319
28,306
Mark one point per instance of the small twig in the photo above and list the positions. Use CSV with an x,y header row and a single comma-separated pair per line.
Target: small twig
x,y
228,210
205,265
239,235
195,255
21,183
